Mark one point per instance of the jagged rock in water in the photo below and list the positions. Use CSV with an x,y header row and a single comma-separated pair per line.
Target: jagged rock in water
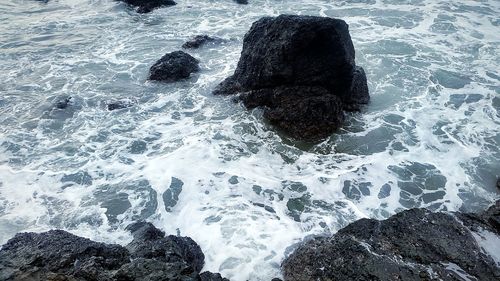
x,y
59,255
150,242
173,67
146,6
199,41
302,111
63,103
120,104
412,245
244,2
209,276
311,60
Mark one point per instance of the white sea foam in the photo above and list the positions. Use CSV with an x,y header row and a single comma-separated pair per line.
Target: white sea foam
x,y
429,138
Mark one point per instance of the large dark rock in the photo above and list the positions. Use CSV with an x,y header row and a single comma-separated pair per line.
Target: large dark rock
x,y
59,255
413,245
146,6
299,53
302,111
150,242
173,67
56,252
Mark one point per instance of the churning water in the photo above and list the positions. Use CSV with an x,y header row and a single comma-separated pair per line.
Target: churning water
x,y
203,166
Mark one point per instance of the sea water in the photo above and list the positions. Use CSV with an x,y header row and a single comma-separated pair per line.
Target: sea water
x,y
203,166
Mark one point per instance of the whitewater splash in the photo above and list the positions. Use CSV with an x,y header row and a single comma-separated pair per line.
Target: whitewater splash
x,y
204,167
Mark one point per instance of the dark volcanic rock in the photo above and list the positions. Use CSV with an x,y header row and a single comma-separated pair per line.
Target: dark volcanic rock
x,y
63,102
413,245
173,67
146,6
150,242
56,252
59,255
121,104
199,41
312,58
302,111
209,276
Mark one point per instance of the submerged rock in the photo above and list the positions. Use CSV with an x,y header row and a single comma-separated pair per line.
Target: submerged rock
x,y
146,6
63,103
199,41
241,1
173,67
120,104
59,255
412,245
305,61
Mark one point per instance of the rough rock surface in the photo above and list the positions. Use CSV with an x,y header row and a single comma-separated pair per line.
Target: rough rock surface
x,y
59,255
146,6
173,67
311,57
412,245
120,104
199,41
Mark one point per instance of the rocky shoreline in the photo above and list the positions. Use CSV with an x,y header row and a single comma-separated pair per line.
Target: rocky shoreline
x,y
415,244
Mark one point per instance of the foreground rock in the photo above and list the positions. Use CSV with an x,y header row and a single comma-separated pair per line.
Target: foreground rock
x,y
173,67
59,255
298,68
413,245
146,6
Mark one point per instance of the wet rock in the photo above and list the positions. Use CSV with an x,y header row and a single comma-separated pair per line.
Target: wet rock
x,y
304,112
59,255
173,67
63,102
301,70
199,41
498,183
146,6
36,256
209,276
121,104
244,2
412,245
82,178
150,242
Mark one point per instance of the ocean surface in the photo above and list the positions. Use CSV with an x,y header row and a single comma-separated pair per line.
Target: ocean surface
x,y
203,166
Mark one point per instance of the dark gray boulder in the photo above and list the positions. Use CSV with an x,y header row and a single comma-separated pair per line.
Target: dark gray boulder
x,y
299,53
209,276
37,256
173,67
244,2
120,104
302,111
146,6
150,242
412,245
63,102
59,255
200,41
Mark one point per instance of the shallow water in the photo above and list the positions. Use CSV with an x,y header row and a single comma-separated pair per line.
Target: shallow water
x,y
204,167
